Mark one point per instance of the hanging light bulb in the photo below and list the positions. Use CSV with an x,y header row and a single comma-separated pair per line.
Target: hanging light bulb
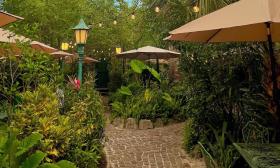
x,y
100,24
157,9
133,16
196,9
115,22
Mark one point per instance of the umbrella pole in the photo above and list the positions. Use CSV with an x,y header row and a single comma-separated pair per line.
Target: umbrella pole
x,y
273,70
123,66
157,65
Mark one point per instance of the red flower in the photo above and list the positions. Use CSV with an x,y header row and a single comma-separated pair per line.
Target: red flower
x,y
77,84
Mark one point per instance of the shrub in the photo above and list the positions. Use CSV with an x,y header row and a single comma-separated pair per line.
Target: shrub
x,y
79,129
145,104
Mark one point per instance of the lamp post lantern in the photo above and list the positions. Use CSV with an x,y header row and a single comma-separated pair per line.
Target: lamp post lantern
x,y
81,33
64,46
118,50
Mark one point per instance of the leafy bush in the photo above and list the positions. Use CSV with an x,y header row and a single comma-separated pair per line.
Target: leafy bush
x,y
80,128
145,104
26,71
16,153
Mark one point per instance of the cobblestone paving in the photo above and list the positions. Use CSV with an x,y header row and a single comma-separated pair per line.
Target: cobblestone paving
x,y
154,148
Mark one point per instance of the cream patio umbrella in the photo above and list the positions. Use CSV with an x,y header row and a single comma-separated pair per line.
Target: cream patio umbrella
x,y
6,18
149,52
61,54
245,20
7,36
73,58
160,61
42,47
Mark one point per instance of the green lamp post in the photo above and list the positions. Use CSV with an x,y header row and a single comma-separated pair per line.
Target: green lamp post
x,y
81,33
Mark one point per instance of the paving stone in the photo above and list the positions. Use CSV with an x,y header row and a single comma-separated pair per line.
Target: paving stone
x,y
131,123
145,124
150,148
158,123
119,122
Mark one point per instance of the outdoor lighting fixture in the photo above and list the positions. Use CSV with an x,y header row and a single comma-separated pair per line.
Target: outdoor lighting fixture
x,y
118,50
64,46
81,33
157,9
196,9
100,24
115,22
133,16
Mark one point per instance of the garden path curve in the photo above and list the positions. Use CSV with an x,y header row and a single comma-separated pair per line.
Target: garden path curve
x,y
153,148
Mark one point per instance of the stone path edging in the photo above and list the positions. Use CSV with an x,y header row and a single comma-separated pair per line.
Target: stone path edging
x,y
132,123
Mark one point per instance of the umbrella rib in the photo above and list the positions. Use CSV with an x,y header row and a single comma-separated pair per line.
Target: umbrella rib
x,y
213,35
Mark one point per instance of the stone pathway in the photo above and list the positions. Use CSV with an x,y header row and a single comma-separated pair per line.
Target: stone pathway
x,y
153,148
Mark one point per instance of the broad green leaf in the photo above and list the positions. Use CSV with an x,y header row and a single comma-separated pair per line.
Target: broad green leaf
x,y
34,160
125,91
49,165
167,97
28,143
154,73
65,163
137,66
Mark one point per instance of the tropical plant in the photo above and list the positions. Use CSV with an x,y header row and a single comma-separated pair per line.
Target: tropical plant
x,y
80,128
222,154
139,67
16,153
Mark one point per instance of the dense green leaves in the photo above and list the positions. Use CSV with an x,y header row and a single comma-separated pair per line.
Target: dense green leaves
x,y
28,142
34,160
139,67
125,91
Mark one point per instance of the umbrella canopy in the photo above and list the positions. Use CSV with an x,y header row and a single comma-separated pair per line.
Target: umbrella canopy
x,y
148,52
6,18
61,54
160,61
73,58
245,20
42,47
7,36
89,60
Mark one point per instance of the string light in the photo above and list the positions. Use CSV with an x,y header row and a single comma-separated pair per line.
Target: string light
x,y
196,9
133,16
157,9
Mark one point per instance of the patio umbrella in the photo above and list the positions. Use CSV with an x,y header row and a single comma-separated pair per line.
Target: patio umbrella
x,y
73,58
7,36
245,20
160,61
60,54
6,18
42,47
148,52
